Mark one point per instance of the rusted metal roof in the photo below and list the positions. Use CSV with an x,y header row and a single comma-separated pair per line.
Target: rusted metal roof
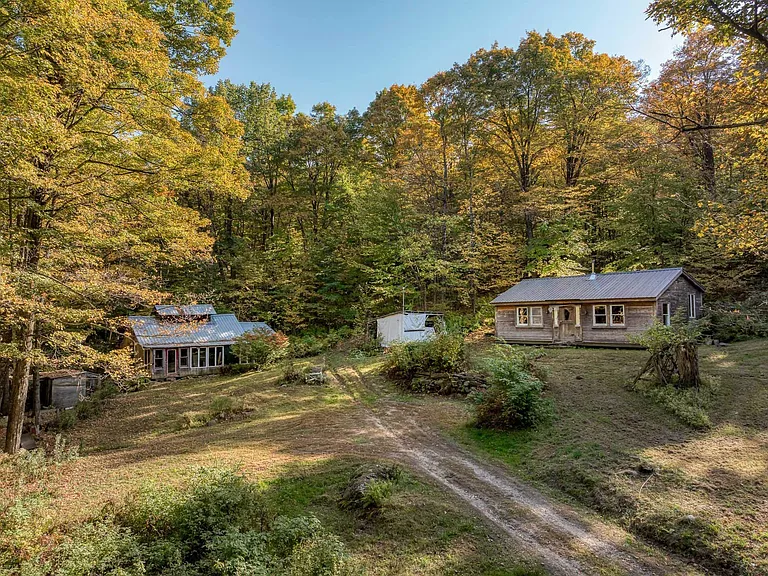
x,y
185,310
220,329
638,285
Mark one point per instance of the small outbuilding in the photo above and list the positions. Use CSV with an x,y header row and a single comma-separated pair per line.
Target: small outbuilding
x,y
595,309
407,326
178,341
65,388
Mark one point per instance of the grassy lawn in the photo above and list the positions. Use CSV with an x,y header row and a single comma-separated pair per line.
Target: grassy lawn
x,y
301,444
704,493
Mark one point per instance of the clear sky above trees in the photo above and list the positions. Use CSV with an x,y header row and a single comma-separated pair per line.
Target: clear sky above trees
x,y
344,51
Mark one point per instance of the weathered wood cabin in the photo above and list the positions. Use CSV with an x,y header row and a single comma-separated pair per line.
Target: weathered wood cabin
x,y
594,309
64,388
178,341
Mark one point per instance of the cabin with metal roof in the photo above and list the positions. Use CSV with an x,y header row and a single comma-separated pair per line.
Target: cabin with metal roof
x,y
178,341
595,309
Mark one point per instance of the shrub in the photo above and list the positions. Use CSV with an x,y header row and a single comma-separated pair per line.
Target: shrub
x,y
369,491
291,374
689,405
732,321
226,406
219,524
443,353
235,369
261,349
65,419
513,399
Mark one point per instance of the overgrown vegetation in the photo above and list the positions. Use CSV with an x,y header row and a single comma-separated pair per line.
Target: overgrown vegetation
x,y
671,375
513,398
369,490
261,349
444,353
88,407
219,523
734,321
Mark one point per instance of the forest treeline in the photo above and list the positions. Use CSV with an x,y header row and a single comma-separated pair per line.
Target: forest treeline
x,y
125,182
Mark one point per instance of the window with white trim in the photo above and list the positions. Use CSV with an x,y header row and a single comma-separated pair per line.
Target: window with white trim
x,y
158,359
530,316
666,317
600,315
147,358
604,315
691,305
184,358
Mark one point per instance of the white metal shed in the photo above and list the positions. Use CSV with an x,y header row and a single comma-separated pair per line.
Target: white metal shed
x,y
406,326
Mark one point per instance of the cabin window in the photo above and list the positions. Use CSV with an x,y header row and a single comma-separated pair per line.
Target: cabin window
x,y
600,315
608,315
617,314
692,305
530,316
199,357
184,358
158,360
219,355
666,317
147,358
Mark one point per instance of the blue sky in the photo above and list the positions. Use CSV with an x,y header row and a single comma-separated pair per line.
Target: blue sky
x,y
344,51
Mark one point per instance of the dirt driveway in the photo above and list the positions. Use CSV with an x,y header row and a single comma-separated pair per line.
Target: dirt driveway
x,y
563,540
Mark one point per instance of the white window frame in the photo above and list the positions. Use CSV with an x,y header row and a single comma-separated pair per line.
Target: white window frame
x,y
184,362
532,317
692,305
156,357
666,314
527,317
609,323
607,316
623,315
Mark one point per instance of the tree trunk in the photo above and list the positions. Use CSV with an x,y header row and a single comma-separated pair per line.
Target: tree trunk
x,y
19,387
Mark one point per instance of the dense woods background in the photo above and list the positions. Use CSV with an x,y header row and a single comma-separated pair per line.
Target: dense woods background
x,y
126,183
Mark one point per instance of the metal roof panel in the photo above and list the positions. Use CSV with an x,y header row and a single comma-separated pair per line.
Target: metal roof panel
x,y
637,285
221,329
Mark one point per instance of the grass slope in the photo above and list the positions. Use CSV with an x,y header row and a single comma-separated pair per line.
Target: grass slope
x,y
301,443
707,494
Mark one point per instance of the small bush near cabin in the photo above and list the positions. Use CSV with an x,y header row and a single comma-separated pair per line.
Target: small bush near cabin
x,y
260,349
513,399
445,353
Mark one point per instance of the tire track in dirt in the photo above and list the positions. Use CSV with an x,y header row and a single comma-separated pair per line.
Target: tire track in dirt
x,y
549,533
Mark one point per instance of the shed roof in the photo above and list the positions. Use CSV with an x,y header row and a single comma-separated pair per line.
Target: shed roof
x,y
220,329
638,285
186,310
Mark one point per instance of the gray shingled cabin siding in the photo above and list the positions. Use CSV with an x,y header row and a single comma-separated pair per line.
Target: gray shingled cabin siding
x,y
677,297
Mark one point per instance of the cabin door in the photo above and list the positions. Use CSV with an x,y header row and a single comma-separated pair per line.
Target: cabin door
x,y
568,330
171,363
